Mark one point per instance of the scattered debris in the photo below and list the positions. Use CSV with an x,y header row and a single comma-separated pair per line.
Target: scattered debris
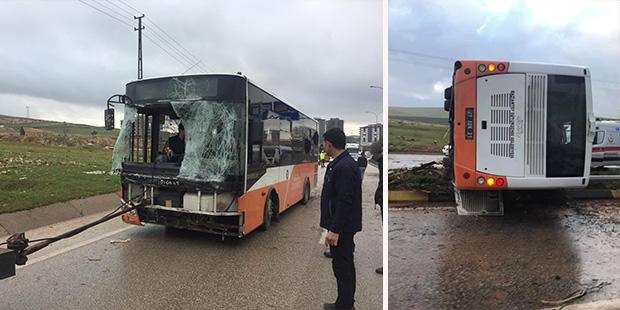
x,y
575,295
94,259
96,172
114,241
430,177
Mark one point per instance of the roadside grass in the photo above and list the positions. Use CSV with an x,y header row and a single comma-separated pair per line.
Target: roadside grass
x,y
33,175
410,137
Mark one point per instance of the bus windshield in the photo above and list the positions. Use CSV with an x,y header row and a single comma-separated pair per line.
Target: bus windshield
x,y
210,146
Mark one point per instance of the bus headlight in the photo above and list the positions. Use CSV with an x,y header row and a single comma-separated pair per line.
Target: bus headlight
x,y
482,67
480,180
499,182
490,181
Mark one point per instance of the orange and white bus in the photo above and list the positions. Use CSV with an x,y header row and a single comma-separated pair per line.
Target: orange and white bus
x,y
517,125
248,156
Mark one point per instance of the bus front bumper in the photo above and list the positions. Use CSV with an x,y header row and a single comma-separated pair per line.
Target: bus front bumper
x,y
220,223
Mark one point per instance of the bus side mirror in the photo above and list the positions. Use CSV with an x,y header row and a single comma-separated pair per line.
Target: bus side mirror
x,y
109,118
447,95
255,132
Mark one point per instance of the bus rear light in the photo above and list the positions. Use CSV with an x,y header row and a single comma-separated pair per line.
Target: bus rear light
x,y
501,67
490,181
499,182
481,180
482,67
491,67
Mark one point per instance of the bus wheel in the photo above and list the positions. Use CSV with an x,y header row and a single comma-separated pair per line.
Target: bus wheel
x,y
267,214
306,197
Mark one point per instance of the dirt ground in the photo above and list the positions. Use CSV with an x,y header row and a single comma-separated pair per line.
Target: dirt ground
x,y
542,250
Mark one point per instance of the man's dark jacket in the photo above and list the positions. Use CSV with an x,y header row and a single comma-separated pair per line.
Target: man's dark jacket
x,y
362,162
341,198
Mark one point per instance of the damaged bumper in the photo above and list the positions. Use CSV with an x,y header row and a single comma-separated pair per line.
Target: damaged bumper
x,y
221,223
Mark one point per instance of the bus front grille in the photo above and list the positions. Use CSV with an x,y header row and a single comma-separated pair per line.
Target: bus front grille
x,y
535,122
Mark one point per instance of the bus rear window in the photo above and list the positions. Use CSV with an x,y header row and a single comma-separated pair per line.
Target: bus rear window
x,y
566,126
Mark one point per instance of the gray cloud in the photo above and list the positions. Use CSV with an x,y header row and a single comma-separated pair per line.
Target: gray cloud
x,y
580,33
321,56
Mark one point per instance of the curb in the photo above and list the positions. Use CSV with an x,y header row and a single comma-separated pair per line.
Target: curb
x,y
594,194
21,221
417,195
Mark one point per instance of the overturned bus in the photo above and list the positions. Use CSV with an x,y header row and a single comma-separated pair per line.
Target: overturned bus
x,y
213,153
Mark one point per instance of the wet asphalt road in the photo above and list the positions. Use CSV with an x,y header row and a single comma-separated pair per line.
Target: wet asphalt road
x,y
537,251
282,268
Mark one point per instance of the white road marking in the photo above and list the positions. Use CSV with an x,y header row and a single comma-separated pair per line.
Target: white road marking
x,y
75,246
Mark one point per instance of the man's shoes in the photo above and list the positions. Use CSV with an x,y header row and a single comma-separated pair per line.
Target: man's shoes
x,y
379,270
327,254
333,307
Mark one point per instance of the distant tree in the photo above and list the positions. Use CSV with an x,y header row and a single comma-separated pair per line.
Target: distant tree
x,y
22,132
376,148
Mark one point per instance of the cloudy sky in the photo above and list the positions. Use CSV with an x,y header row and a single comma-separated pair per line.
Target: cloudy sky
x,y
425,37
64,58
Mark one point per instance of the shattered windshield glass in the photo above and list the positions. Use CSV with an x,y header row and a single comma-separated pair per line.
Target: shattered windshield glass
x,y
122,146
214,139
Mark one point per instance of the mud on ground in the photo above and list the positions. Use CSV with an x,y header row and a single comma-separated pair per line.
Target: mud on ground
x,y
542,249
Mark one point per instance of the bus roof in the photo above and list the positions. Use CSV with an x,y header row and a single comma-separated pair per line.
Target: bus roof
x,y
222,74
186,75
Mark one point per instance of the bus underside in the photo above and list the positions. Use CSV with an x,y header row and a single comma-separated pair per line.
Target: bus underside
x,y
516,131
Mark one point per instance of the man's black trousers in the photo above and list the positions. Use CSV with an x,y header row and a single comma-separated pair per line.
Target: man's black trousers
x,y
344,269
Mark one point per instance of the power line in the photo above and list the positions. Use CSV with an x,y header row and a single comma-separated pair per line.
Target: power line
x,y
129,6
421,54
106,13
166,51
120,8
197,60
175,41
425,64
163,40
130,25
452,60
154,32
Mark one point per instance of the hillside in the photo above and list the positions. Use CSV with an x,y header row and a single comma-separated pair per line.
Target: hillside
x,y
417,130
53,133
429,115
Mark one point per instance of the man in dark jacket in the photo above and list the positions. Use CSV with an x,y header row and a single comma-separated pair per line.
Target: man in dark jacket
x,y
362,162
176,146
341,214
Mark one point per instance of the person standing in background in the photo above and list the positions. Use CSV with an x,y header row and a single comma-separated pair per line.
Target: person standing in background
x,y
362,162
379,196
341,215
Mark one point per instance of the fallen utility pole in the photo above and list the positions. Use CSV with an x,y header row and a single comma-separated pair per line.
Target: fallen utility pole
x,y
18,247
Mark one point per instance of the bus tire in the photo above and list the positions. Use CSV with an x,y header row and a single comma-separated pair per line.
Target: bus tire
x,y
306,196
267,213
